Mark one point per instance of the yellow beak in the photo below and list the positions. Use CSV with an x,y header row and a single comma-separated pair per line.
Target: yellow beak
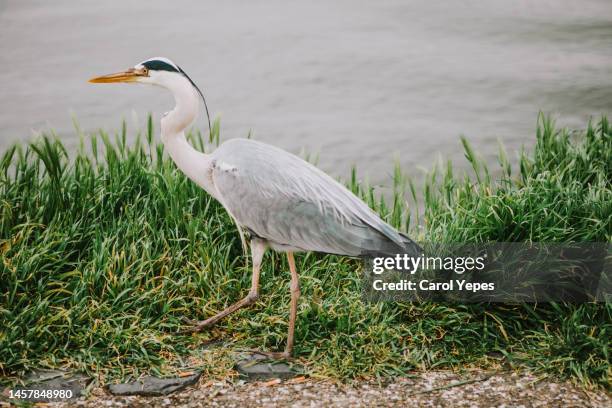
x,y
131,75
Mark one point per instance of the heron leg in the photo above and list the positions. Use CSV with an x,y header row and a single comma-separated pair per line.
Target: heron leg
x,y
258,248
295,296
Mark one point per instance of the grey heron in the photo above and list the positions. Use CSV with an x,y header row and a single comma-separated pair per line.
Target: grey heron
x,y
281,201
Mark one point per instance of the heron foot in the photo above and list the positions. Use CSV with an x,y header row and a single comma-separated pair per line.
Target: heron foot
x,y
204,324
272,355
197,326
189,321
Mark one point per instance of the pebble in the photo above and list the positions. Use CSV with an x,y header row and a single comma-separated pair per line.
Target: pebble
x,y
424,389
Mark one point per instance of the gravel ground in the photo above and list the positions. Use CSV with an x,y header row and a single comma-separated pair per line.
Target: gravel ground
x,y
431,389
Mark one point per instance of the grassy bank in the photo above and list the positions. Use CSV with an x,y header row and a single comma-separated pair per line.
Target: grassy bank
x,y
103,252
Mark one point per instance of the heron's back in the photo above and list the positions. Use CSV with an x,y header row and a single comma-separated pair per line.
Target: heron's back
x,y
278,196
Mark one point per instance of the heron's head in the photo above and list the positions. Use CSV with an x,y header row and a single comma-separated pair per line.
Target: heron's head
x,y
155,71
162,72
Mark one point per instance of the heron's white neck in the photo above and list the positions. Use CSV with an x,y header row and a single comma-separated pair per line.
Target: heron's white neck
x,y
193,163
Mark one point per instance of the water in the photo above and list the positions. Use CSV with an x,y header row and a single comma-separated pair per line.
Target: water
x,y
354,82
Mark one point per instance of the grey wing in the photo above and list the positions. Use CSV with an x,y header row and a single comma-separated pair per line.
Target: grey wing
x,y
278,196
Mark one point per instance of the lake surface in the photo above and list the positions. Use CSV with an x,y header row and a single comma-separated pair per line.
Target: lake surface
x,y
354,82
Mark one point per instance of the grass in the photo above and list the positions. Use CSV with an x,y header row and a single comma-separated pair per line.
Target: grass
x,y
103,251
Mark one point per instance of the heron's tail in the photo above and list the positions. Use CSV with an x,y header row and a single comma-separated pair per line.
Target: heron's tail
x,y
411,248
388,248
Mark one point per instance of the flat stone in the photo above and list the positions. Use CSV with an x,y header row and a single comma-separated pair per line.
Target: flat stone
x,y
255,367
153,386
44,385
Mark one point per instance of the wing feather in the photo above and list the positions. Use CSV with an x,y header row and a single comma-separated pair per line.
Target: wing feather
x,y
282,198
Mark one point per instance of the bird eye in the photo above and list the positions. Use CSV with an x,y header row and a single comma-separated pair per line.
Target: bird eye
x,y
145,71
